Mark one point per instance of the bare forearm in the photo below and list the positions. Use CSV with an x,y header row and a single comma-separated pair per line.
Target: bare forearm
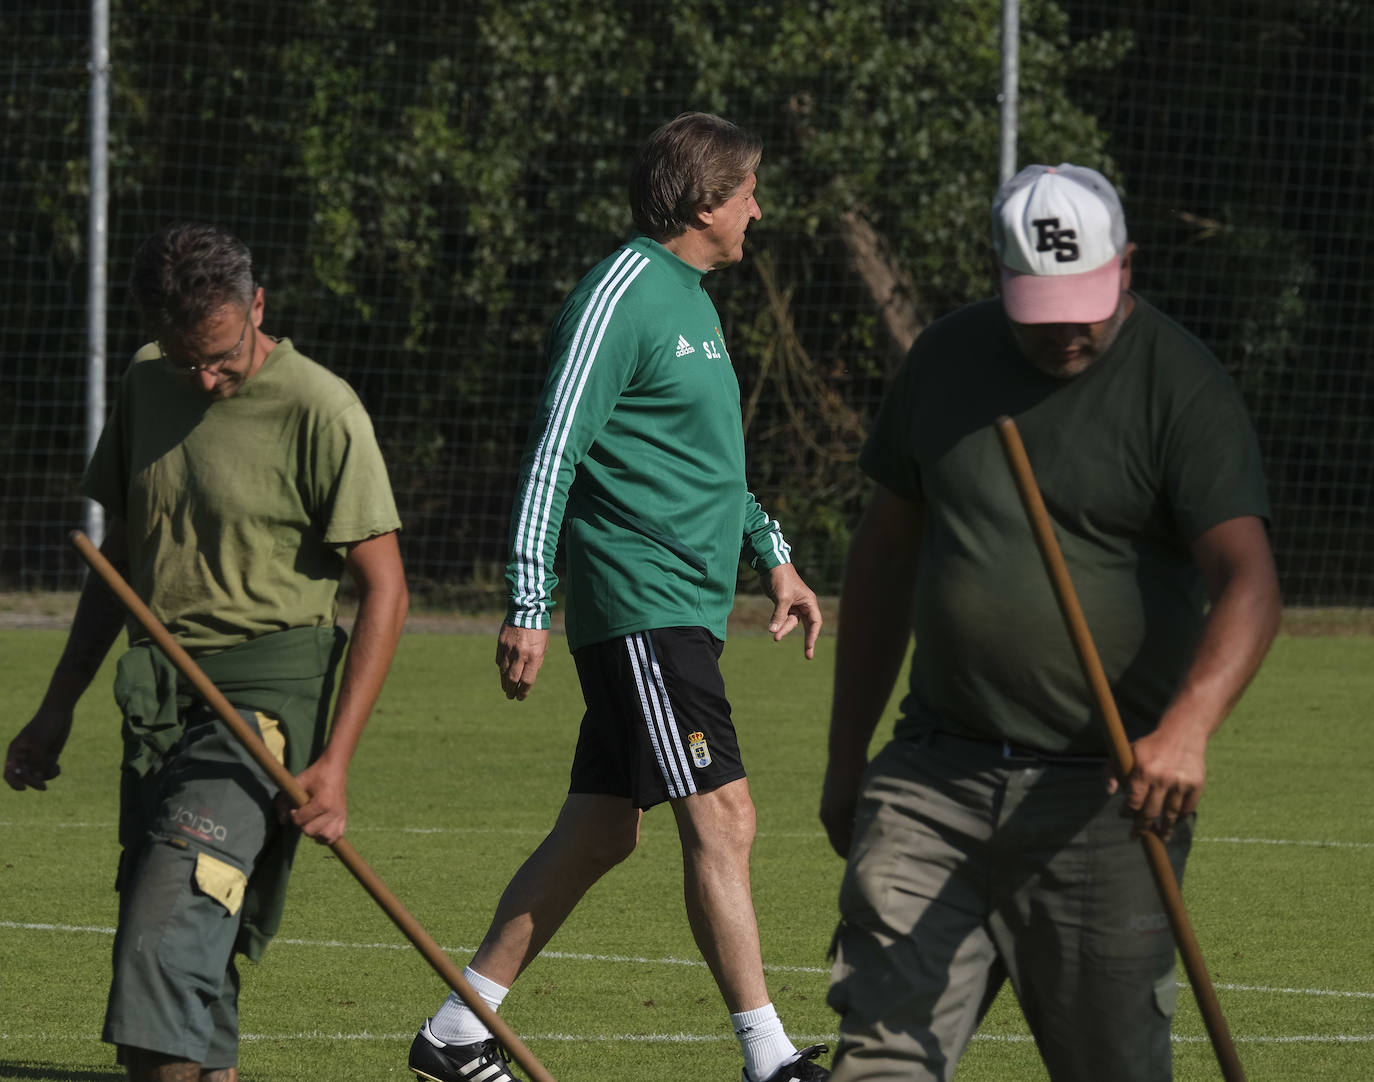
x,y
1170,768
375,565
1235,637
870,650
376,631
875,630
875,624
96,625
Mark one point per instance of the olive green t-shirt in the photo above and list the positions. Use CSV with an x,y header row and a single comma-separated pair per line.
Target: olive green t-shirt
x,y
1136,457
239,510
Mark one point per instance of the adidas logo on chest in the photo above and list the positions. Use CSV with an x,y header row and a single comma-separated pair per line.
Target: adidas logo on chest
x,y
710,348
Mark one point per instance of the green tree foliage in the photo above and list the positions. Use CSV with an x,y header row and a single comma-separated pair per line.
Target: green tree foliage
x,y
422,189
1249,194
422,184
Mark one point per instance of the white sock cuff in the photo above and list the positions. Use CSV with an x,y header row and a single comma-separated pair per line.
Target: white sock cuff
x,y
457,1023
492,993
762,1041
747,1020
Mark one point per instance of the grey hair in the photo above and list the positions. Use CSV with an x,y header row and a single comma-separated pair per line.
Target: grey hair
x,y
186,271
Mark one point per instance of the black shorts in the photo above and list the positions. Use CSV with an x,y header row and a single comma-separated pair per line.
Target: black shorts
x,y
657,725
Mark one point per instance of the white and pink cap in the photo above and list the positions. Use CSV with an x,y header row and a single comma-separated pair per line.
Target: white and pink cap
x,y
1059,232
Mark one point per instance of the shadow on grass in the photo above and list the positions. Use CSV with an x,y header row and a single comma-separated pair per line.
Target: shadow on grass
x,y
49,1072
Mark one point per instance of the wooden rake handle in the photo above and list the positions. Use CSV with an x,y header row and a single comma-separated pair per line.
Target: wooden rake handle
x,y
371,882
1123,759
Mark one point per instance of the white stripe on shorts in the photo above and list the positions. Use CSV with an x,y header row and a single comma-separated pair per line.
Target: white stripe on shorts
x,y
658,716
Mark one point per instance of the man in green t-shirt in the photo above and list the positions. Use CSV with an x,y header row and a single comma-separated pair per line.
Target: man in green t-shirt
x,y
637,454
982,844
241,481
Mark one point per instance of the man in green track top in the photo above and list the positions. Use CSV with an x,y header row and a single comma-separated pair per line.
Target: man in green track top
x,y
637,455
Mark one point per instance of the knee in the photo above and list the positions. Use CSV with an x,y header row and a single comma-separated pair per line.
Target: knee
x,y
741,820
616,842
723,818
736,802
601,842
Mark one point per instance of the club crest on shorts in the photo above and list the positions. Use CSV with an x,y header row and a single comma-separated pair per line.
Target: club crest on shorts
x,y
696,742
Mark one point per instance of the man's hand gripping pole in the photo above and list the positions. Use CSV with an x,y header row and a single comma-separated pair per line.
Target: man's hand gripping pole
x,y
1123,759
369,879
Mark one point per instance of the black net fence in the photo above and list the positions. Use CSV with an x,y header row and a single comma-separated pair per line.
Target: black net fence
x,y
422,184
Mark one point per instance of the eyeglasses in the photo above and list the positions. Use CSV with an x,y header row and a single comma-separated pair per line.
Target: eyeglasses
x,y
215,364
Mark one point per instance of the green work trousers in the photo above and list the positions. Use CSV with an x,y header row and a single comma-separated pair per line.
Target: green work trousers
x,y
175,987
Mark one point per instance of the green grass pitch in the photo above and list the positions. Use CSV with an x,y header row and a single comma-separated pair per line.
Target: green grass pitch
x,y
454,785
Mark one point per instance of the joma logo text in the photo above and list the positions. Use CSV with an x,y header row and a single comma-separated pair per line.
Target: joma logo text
x,y
1148,922
199,824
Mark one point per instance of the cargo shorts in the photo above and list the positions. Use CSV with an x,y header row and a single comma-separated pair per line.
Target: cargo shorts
x,y
210,813
968,869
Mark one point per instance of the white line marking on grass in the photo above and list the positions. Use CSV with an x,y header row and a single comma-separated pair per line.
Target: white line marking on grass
x,y
579,956
29,926
339,944
1289,991
690,1038
107,824
1288,841
802,1038
812,835
567,956
456,830
669,961
996,1038
1177,1038
1303,1038
1307,843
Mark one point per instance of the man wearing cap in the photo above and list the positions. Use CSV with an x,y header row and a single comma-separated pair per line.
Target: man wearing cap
x,y
986,841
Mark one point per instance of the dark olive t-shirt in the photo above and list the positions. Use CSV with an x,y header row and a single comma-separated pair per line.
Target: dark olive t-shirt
x,y
1136,457
239,510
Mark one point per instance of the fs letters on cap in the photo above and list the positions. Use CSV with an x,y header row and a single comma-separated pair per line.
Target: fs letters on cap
x,y
1059,232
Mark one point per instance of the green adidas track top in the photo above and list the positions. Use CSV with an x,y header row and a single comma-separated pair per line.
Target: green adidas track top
x,y
637,450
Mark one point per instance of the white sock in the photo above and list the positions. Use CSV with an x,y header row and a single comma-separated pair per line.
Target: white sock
x,y
761,1039
455,1022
